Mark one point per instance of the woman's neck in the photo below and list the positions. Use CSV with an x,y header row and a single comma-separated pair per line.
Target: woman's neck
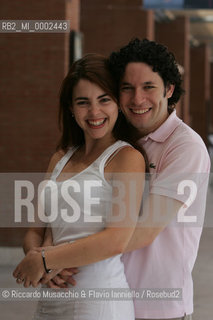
x,y
93,146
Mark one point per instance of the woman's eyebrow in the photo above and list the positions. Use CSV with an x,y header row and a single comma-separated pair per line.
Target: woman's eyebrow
x,y
103,95
85,98
80,98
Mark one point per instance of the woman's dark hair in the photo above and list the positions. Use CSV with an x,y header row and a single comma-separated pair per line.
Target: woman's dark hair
x,y
156,56
94,68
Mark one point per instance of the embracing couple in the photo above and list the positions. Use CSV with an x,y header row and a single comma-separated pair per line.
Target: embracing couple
x,y
119,121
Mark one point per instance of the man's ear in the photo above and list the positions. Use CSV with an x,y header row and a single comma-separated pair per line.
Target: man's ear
x,y
169,90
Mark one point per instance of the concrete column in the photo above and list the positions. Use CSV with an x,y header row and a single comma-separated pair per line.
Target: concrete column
x,y
72,13
200,89
110,24
175,35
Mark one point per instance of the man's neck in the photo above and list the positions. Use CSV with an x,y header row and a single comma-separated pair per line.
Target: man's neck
x,y
137,134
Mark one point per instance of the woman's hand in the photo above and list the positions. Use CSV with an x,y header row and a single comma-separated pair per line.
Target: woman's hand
x,y
31,269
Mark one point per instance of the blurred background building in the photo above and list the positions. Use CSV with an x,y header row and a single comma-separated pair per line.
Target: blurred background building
x,y
33,65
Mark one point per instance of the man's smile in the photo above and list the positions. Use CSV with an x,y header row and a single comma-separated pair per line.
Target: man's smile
x,y
140,111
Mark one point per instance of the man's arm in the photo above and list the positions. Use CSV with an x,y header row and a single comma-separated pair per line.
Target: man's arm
x,y
158,212
162,205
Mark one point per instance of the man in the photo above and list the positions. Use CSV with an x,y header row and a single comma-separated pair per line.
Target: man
x,y
150,86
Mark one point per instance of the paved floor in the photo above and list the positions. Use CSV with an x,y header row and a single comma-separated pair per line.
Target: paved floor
x,y
202,274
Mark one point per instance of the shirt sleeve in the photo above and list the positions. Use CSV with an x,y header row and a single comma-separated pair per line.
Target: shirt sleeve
x,y
183,170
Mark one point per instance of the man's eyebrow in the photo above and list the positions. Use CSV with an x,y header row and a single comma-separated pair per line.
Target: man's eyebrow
x,y
148,82
129,84
125,84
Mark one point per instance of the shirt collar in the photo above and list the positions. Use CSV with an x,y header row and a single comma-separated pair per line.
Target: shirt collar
x,y
165,130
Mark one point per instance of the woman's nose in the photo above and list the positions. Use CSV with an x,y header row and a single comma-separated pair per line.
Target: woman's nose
x,y
94,109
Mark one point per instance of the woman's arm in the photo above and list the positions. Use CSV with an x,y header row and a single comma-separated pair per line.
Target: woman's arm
x,y
111,241
38,236
33,239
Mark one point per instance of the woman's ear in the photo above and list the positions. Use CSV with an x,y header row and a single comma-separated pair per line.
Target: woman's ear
x,y
169,90
71,111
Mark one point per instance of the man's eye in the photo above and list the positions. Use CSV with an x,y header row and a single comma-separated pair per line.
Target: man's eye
x,y
126,88
148,87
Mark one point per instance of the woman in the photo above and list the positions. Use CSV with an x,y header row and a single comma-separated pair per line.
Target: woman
x,y
91,158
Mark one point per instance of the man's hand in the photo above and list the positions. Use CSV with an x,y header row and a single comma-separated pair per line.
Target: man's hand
x,y
60,278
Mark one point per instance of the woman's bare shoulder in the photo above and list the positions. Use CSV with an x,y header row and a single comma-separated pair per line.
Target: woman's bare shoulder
x,y
54,160
128,159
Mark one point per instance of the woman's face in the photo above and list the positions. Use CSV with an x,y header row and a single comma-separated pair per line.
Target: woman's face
x,y
94,110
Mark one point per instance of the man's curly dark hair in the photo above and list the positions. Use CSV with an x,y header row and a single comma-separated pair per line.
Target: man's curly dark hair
x,y
155,55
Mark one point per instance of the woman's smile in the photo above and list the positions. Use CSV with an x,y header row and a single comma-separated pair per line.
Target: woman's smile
x,y
96,123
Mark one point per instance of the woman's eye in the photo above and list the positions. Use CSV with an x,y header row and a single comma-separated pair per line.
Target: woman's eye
x,y
82,103
105,100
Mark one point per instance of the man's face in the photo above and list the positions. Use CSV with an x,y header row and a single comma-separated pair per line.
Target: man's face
x,y
144,98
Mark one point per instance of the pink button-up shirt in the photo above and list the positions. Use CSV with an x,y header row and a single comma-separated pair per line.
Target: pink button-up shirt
x,y
176,153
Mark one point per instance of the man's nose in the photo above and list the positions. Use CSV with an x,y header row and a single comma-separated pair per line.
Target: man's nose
x,y
138,96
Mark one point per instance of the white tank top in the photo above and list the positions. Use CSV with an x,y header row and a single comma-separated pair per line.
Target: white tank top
x,y
85,209
84,186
